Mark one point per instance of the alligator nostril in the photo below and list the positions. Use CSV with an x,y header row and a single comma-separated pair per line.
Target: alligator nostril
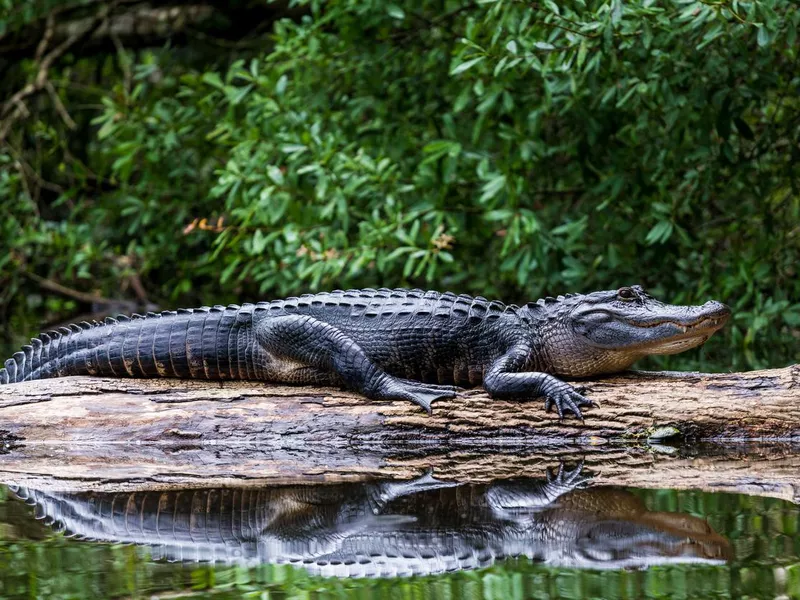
x,y
721,311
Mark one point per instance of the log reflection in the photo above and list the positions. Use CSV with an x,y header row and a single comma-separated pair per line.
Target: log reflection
x,y
389,528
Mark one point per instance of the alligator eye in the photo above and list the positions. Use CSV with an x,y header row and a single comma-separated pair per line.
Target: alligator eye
x,y
626,293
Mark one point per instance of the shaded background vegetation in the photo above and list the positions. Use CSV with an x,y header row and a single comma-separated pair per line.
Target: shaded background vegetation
x,y
186,153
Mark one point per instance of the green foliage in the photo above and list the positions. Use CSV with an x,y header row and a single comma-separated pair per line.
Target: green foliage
x,y
499,147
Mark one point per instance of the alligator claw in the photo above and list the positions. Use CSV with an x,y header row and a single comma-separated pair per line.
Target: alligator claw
x,y
568,399
572,478
433,387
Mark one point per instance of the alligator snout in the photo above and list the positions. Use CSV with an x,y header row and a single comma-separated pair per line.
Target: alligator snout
x,y
717,312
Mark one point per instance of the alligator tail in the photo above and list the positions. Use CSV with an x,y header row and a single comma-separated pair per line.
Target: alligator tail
x,y
203,343
205,523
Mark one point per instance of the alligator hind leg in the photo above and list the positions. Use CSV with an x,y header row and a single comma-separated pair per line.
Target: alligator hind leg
x,y
313,343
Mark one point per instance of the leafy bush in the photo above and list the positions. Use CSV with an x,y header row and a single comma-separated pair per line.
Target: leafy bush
x,y
499,147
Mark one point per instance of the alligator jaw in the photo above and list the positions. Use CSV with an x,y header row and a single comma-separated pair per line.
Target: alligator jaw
x,y
699,325
614,331
677,335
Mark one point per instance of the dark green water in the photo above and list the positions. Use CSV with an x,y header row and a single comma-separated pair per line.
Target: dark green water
x,y
35,562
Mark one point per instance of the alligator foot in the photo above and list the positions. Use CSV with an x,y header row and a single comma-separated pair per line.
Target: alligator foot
x,y
421,394
566,397
564,478
516,499
394,489
432,387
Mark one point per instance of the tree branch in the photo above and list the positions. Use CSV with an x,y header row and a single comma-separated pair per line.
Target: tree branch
x,y
40,80
56,287
143,25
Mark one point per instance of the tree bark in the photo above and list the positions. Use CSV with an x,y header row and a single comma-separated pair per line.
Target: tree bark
x,y
735,431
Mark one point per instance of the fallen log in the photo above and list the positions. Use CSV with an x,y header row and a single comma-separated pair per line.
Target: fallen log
x,y
117,434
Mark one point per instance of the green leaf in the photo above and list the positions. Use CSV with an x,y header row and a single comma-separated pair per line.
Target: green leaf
x,y
616,12
259,242
107,129
621,102
660,233
293,148
237,94
395,12
492,187
582,49
460,68
498,215
500,66
398,252
213,79
792,318
647,35
228,272
552,6
442,146
275,174
763,37
280,87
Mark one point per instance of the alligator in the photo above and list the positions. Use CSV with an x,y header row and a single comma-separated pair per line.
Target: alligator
x,y
389,528
387,344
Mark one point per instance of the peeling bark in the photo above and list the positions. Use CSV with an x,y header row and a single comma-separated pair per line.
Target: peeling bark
x,y
114,434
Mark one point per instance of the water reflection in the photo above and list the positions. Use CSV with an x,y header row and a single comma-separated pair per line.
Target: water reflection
x,y
389,528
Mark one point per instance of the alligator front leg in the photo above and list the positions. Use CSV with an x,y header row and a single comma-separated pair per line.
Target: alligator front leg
x,y
317,344
518,497
505,380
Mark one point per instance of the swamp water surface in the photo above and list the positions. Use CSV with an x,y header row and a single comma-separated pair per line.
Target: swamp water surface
x,y
587,543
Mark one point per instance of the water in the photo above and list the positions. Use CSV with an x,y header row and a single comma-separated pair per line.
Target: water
x,y
742,547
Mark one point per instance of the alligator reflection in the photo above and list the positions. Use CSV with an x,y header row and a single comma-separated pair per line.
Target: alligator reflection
x,y
389,528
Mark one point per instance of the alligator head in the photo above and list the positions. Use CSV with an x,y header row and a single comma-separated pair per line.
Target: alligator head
x,y
604,332
652,539
616,530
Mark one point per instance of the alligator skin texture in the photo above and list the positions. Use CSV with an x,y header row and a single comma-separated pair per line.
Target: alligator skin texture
x,y
385,344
